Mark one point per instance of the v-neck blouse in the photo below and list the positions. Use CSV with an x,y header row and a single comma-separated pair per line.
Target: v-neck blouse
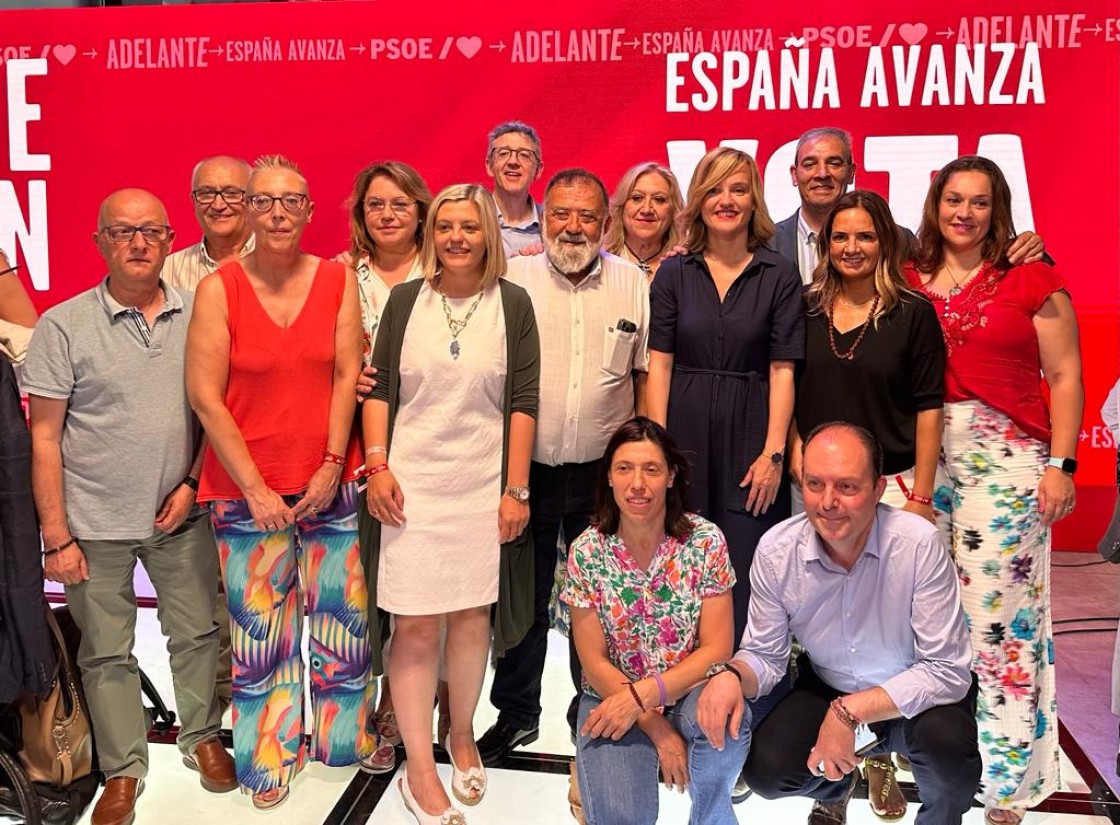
x,y
650,617
279,385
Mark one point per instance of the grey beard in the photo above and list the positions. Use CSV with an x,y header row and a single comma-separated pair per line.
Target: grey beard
x,y
571,259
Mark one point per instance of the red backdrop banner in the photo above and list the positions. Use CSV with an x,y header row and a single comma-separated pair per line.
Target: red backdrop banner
x,y
97,99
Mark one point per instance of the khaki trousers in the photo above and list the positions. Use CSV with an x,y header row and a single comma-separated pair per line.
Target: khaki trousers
x,y
183,568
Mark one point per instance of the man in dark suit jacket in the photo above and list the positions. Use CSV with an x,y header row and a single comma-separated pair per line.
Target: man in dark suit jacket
x,y
822,172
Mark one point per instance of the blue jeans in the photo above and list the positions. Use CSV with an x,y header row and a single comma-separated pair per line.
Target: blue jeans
x,y
618,781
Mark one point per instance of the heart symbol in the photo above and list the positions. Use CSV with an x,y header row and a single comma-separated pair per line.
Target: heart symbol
x,y
468,46
913,33
794,42
64,54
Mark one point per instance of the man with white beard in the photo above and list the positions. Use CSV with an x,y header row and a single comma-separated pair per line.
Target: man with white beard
x,y
592,313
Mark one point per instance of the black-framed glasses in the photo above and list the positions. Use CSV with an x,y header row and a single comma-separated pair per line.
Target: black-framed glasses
x,y
504,153
400,206
205,196
292,202
124,233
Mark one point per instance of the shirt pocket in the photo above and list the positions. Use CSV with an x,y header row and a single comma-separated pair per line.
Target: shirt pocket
x,y
618,350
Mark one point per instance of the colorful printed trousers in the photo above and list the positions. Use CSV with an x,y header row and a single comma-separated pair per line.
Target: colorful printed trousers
x,y
266,576
988,508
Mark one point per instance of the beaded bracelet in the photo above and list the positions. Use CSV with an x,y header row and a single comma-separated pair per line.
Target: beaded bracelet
x,y
637,698
333,458
56,550
662,695
844,715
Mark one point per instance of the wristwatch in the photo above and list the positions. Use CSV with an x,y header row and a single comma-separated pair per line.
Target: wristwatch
x,y
777,458
1066,465
723,667
518,493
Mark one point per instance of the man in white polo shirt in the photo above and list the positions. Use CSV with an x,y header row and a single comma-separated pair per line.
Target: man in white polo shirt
x,y
592,313
114,465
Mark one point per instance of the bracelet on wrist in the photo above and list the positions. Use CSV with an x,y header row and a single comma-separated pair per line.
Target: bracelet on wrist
x,y
375,450
637,698
926,500
662,694
191,482
333,458
56,550
375,469
844,715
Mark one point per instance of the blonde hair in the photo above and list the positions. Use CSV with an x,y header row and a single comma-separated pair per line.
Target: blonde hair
x,y
266,163
494,262
615,239
714,168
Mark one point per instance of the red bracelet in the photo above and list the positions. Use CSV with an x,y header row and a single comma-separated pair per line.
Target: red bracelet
x,y
920,499
375,469
637,698
333,458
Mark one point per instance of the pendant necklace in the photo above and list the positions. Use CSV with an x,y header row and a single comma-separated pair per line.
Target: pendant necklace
x,y
643,263
959,285
453,324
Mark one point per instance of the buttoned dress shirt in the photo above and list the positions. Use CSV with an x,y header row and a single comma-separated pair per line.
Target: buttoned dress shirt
x,y
587,390
185,268
517,236
894,620
807,257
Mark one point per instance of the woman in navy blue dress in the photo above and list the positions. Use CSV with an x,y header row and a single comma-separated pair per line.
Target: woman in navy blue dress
x,y
727,325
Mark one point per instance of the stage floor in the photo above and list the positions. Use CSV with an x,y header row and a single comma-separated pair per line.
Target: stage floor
x,y
534,789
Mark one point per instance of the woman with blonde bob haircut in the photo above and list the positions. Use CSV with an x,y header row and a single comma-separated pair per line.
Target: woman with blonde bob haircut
x,y
454,419
643,216
712,171
727,324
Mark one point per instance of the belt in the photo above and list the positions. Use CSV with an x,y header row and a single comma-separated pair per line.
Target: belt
x,y
749,375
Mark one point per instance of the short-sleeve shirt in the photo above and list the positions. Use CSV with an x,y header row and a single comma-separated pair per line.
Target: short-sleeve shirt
x,y
991,342
651,618
897,371
129,434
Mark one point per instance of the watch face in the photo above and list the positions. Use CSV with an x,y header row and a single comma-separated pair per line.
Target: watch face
x,y
777,458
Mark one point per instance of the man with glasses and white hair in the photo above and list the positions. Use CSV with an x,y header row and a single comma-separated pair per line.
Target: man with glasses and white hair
x,y
115,461
513,160
218,193
592,313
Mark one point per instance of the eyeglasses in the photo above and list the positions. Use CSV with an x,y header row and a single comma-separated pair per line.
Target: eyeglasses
x,y
503,153
230,194
123,233
586,217
400,206
292,202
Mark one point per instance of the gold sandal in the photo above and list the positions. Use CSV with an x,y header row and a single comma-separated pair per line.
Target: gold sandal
x,y
882,794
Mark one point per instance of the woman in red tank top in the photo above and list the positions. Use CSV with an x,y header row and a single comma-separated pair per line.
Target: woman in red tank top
x,y
1007,464
272,359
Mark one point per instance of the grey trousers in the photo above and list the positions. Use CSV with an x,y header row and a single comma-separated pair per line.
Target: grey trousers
x,y
183,568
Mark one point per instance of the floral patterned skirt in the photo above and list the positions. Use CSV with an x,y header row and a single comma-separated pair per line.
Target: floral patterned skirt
x,y
988,510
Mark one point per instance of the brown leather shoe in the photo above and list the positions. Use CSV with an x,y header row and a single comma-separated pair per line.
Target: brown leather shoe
x,y
118,801
214,765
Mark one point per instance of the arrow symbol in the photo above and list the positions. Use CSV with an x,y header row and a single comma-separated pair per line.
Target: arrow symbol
x,y
360,48
633,44
946,33
91,54
500,46
1084,436
1096,29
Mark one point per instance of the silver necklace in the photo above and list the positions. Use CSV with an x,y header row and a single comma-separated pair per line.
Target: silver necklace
x,y
454,325
958,286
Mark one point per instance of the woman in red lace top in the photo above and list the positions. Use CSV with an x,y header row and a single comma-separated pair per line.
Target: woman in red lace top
x,y
1007,464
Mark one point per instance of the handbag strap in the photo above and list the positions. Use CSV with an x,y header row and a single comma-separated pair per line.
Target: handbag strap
x,y
65,677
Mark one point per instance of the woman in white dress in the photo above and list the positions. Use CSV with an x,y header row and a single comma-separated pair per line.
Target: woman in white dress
x,y
454,419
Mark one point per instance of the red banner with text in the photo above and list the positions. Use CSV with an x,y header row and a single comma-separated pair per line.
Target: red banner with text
x,y
97,99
